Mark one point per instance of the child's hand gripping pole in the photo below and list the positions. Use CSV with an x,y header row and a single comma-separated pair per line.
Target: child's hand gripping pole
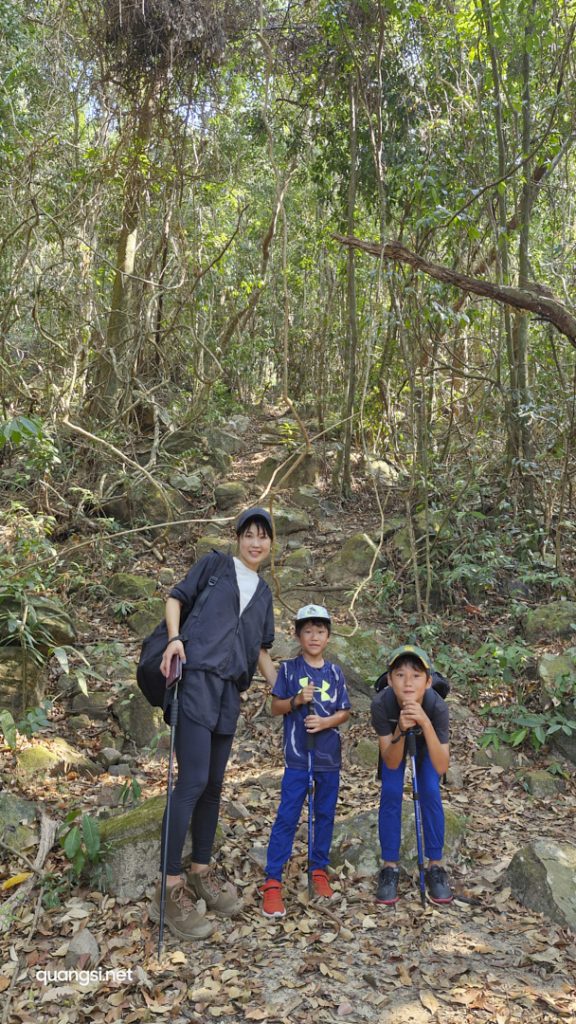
x,y
411,751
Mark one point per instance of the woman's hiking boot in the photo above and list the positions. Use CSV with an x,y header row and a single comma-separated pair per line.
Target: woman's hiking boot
x,y
180,913
273,905
321,884
387,891
221,898
439,890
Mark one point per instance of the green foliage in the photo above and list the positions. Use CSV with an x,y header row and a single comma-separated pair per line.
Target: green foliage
x,y
79,838
131,792
29,433
35,720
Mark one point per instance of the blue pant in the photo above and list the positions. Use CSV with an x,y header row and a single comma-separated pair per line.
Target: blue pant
x,y
390,813
292,796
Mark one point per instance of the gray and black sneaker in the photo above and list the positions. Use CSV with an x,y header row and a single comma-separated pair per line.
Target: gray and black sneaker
x,y
439,890
387,891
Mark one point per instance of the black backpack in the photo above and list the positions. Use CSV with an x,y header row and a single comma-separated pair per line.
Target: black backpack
x,y
148,675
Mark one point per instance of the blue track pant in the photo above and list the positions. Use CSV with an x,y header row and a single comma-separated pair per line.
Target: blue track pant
x,y
390,813
292,797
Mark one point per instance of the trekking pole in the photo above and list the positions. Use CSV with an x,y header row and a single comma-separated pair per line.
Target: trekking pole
x,y
173,678
411,751
310,745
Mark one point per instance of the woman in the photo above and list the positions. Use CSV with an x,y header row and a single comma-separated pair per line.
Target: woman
x,y
220,648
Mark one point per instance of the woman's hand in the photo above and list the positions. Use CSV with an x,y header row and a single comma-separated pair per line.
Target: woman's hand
x,y
174,647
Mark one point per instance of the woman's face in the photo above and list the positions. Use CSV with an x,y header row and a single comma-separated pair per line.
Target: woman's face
x,y
253,546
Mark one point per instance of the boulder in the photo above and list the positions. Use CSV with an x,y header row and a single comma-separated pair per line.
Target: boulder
x,y
188,483
20,689
360,657
93,705
146,616
183,439
503,757
558,671
141,501
555,619
307,471
47,620
133,588
353,561
290,520
229,495
365,753
131,848
542,876
212,541
139,721
356,840
18,822
382,471
306,496
541,783
299,558
218,460
225,440
59,755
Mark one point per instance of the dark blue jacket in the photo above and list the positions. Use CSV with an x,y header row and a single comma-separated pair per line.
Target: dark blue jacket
x,y
219,639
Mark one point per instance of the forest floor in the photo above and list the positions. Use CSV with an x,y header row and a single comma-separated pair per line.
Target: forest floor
x,y
484,959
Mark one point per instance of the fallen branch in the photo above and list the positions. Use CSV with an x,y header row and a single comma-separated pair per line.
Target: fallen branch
x,y
48,829
544,307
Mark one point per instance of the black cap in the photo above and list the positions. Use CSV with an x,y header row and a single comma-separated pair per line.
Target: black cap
x,y
255,513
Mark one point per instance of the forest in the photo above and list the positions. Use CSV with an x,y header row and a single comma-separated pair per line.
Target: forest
x,y
306,254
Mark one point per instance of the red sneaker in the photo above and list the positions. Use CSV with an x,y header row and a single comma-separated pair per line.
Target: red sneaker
x,y
273,905
321,884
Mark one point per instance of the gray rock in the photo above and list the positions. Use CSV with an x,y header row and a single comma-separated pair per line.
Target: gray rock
x,y
187,483
356,840
238,424
77,723
353,561
131,848
556,670
20,689
146,616
384,472
288,520
205,544
181,440
540,783
219,460
504,757
360,657
225,440
60,755
138,720
83,950
229,495
131,586
365,753
542,876
53,625
299,558
18,822
93,705
120,770
290,473
109,756
555,619
140,501
306,497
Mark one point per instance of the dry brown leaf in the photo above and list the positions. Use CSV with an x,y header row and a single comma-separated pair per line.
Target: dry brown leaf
x,y
428,1000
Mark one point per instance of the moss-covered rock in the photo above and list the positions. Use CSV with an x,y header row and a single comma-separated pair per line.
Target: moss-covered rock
x,y
307,471
47,619
59,755
542,784
353,561
229,495
131,847
22,683
146,616
18,822
365,753
360,657
356,840
130,586
139,721
555,619
211,541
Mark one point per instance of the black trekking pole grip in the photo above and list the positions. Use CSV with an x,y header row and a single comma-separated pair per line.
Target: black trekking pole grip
x,y
410,743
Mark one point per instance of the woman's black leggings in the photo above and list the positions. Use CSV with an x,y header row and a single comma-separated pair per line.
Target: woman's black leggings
x,y
202,757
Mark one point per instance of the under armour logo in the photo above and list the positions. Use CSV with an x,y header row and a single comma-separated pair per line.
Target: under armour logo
x,y
323,689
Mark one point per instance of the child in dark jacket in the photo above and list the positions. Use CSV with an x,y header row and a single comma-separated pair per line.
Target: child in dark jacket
x,y
311,694
409,703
